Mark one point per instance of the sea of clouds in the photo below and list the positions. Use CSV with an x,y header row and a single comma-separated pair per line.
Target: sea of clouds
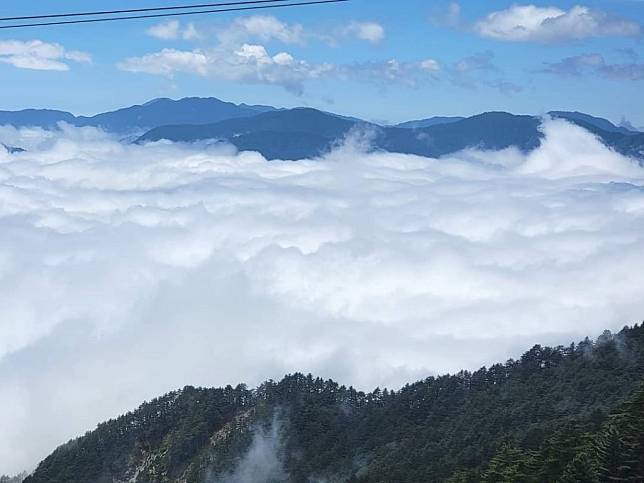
x,y
127,271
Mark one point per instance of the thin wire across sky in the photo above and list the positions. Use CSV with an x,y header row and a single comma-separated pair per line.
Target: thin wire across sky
x,y
109,16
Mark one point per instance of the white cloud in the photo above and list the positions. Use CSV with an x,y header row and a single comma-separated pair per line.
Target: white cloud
x,y
430,65
261,28
127,271
169,61
369,31
235,57
530,23
173,30
38,55
166,30
244,52
253,64
248,63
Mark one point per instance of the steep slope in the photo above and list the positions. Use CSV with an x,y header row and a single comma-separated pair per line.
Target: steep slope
x,y
536,412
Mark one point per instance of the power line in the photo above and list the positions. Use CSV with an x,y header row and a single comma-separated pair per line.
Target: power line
x,y
139,10
159,15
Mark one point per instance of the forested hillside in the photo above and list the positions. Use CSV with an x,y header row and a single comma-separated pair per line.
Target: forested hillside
x,y
563,414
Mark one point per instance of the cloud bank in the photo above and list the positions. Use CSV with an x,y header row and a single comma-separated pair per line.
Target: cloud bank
x,y
127,271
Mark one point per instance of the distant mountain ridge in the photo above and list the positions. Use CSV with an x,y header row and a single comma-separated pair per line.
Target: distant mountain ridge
x,y
157,112
44,118
307,133
292,134
288,134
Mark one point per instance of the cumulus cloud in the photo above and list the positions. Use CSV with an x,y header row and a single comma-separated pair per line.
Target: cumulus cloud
x,y
127,271
38,55
248,63
530,23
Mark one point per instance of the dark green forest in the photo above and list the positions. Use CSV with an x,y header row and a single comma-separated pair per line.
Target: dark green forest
x,y
557,414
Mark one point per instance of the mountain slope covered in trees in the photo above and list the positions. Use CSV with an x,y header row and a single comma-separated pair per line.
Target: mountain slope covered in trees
x,y
557,414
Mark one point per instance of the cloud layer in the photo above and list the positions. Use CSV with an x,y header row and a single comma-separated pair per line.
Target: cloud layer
x,y
127,271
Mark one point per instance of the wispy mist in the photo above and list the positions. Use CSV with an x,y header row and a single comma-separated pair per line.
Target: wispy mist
x,y
127,271
263,461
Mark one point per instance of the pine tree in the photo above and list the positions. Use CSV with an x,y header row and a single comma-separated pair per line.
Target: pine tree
x,y
506,466
582,469
620,446
559,450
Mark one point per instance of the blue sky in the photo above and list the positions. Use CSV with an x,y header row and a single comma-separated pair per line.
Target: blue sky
x,y
377,59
